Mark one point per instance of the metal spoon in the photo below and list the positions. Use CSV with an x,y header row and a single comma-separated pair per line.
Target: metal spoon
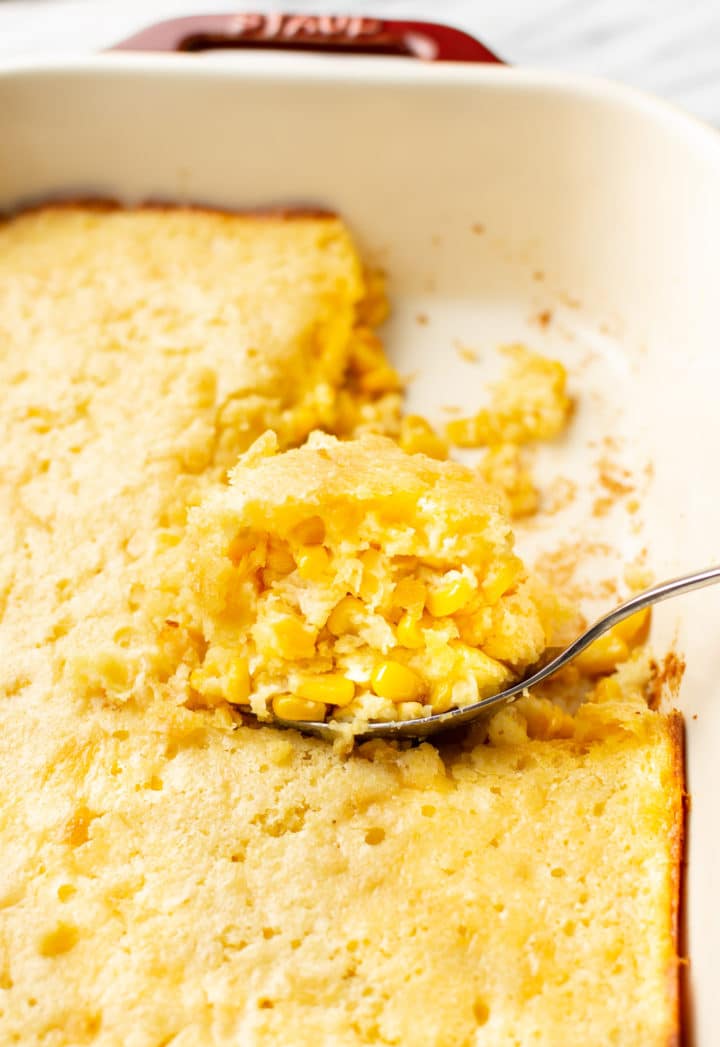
x,y
427,725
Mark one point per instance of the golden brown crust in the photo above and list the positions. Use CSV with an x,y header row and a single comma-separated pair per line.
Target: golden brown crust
x,y
326,470
665,678
676,873
103,204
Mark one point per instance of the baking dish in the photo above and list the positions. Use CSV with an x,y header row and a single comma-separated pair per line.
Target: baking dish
x,y
505,205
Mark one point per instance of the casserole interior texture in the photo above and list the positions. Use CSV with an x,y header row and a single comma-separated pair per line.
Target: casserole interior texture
x,y
352,577
175,872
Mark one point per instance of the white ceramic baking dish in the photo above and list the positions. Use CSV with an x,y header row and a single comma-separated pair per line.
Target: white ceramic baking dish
x,y
506,205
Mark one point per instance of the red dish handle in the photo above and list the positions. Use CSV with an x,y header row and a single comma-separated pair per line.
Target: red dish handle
x,y
346,34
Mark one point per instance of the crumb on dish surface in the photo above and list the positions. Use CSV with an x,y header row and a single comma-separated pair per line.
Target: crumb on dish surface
x,y
530,403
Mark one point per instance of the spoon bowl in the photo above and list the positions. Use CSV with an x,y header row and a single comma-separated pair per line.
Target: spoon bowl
x,y
553,660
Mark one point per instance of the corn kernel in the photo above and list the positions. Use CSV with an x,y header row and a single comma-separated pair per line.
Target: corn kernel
x,y
343,617
304,420
243,543
409,633
309,532
396,682
382,380
442,698
293,639
200,681
465,432
222,676
373,309
237,682
489,673
607,690
603,656
410,594
328,688
366,350
417,436
280,559
371,560
406,562
474,628
545,720
502,578
313,562
450,597
167,539
288,707
633,630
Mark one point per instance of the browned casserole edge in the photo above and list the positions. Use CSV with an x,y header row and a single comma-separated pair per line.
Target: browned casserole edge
x,y
102,203
683,1034
679,1032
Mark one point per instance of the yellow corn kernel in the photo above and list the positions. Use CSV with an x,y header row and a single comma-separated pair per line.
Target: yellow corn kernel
x,y
545,720
382,380
304,420
371,560
450,597
399,507
288,707
166,539
474,628
293,639
410,594
465,432
607,690
328,688
230,682
280,559
633,630
441,699
343,617
366,349
405,562
313,562
243,543
502,578
417,436
603,656
373,309
309,532
396,682
408,632
237,682
204,684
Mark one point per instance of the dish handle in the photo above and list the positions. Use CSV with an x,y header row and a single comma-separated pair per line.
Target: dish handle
x,y
344,34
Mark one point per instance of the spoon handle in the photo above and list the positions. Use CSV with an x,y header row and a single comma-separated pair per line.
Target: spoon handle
x,y
685,583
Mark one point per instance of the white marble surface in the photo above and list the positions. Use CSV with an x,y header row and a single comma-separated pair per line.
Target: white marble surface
x,y
668,47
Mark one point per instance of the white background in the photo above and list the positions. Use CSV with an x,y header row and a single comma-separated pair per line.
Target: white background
x,y
668,47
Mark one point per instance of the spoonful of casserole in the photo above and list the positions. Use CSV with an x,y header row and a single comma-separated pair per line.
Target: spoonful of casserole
x,y
347,586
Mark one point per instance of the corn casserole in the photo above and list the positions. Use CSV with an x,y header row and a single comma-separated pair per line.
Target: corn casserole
x,y
177,872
